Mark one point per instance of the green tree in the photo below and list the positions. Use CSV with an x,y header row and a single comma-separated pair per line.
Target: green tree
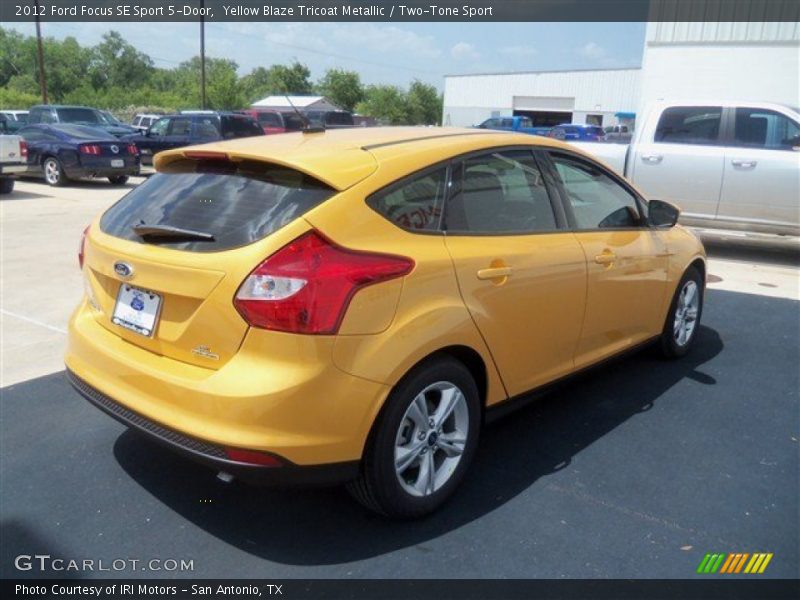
x,y
387,103
341,87
117,63
424,104
277,79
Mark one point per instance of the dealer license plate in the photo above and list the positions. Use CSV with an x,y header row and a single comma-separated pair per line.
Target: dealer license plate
x,y
117,162
136,309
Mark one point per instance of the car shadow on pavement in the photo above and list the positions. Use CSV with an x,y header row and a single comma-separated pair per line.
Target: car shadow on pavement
x,y
325,526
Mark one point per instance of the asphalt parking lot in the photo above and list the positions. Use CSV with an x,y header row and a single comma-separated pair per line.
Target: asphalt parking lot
x,y
636,470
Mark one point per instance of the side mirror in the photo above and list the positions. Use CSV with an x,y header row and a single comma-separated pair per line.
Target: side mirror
x,y
663,214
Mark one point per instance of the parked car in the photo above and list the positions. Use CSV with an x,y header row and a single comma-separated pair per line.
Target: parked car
x,y
330,119
275,121
569,132
142,121
60,152
13,158
111,120
519,124
618,133
289,309
729,165
76,115
174,131
14,119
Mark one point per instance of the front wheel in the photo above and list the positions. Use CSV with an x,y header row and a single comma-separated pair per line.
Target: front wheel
x,y
423,443
118,179
683,318
53,173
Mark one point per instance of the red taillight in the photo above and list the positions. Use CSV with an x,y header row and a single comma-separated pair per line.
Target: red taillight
x,y
307,285
253,457
92,149
23,149
82,246
132,149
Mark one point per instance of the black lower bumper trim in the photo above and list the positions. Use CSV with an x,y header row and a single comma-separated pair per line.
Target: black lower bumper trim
x,y
214,455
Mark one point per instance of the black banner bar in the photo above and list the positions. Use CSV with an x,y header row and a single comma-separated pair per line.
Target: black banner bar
x,y
400,10
720,587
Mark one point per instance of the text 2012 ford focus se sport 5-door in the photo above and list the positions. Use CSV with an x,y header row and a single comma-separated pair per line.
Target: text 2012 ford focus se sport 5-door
x,y
347,306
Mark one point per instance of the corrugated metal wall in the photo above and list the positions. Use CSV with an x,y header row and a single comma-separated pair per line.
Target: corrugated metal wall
x,y
591,91
721,32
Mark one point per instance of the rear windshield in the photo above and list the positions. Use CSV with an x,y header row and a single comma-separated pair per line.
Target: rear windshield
x,y
239,127
78,115
237,203
269,119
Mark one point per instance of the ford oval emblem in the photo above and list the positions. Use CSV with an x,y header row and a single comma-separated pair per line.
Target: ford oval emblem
x,y
115,149
123,269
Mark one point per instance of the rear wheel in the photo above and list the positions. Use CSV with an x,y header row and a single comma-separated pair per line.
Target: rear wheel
x,y
53,173
118,179
423,443
6,185
683,318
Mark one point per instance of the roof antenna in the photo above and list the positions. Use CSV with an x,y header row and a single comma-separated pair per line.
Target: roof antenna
x,y
307,126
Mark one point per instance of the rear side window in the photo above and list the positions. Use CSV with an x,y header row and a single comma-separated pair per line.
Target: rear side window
x,y
78,115
237,203
757,128
292,122
338,118
234,127
180,126
502,192
689,125
414,203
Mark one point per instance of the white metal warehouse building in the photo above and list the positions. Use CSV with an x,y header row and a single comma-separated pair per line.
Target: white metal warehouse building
x,y
680,61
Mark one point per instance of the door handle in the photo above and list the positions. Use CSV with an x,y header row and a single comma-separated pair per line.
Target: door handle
x,y
606,258
744,164
495,272
652,159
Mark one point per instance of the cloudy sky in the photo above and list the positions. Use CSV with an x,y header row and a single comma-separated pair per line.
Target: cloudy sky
x,y
382,52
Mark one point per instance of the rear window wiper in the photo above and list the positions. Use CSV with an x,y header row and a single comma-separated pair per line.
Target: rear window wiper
x,y
168,231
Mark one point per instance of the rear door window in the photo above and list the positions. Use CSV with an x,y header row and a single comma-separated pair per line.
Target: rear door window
x,y
497,193
689,125
180,126
414,203
759,128
269,119
237,203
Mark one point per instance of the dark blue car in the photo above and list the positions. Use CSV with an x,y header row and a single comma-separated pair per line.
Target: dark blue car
x,y
60,152
584,133
185,129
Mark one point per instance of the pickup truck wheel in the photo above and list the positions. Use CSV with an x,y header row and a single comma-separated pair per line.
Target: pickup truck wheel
x,y
423,442
53,173
118,179
6,185
683,318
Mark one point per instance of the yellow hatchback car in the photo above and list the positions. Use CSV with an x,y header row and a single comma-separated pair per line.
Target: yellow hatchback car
x,y
351,305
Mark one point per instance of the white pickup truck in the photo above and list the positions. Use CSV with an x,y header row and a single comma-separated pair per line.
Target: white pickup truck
x,y
13,159
728,165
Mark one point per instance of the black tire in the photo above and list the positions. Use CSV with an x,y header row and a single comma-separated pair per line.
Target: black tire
x,y
53,172
671,346
378,486
118,179
6,185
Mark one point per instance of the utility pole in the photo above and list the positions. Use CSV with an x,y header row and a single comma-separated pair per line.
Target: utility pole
x,y
42,76
202,55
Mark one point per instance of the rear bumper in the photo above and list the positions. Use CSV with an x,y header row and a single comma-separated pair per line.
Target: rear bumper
x,y
213,455
12,168
276,395
81,172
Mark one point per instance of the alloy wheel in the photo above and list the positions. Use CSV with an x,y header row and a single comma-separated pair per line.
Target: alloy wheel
x,y
51,171
431,438
686,312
